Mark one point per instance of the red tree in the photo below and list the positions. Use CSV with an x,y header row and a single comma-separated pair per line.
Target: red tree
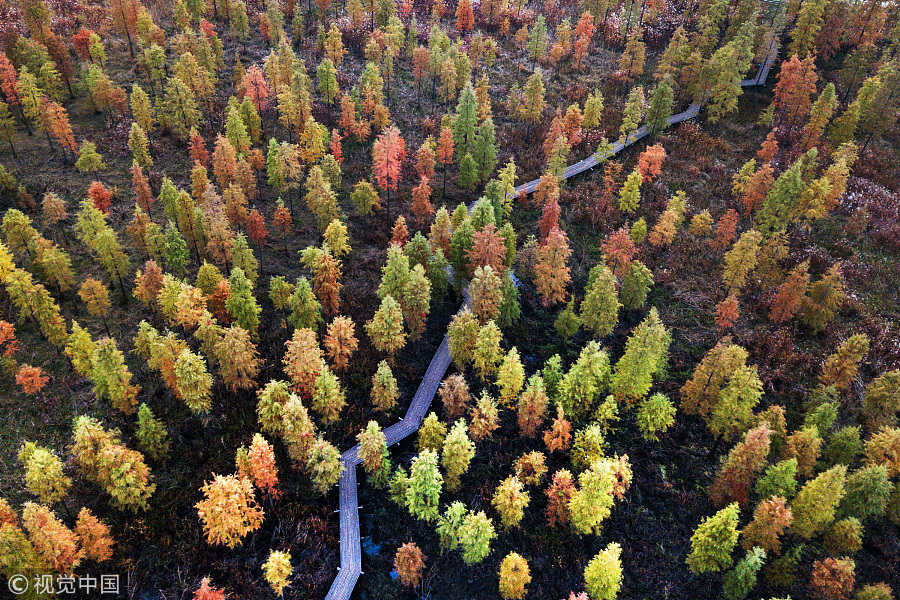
x,y
100,196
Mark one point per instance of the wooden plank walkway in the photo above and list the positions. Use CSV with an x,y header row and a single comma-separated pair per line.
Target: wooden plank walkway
x,y
351,555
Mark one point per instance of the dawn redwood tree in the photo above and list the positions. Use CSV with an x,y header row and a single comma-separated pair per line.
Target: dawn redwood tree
x,y
514,577
713,540
384,388
228,510
600,308
388,153
385,328
373,453
770,519
603,574
551,271
455,396
744,463
840,368
510,500
475,535
456,453
409,563
425,484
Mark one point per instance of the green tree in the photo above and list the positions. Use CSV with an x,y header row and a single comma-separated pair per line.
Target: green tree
x,y
646,354
603,574
660,107
241,303
713,541
475,535
816,502
425,483
152,436
457,453
600,308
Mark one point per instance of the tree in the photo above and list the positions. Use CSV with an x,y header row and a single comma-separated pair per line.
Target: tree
x,y
388,153
409,563
741,467
659,108
384,388
475,535
741,259
713,541
431,433
770,518
178,109
237,358
815,504
790,294
551,271
603,574
823,299
794,90
93,536
883,448
739,581
514,577
303,361
832,578
537,40
340,342
425,483
646,353
88,158
277,569
534,98
55,544
806,29
632,113
484,149
241,303
151,434
326,74
44,475
104,460
510,500
373,453
385,328
484,417
465,19
456,453
598,487
654,416
324,464
228,510
600,308
840,368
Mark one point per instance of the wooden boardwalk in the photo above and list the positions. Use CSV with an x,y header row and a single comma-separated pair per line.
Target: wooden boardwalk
x,y
351,555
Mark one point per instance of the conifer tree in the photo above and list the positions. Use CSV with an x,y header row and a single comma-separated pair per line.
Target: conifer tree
x,y
373,453
151,434
409,563
484,417
241,303
475,535
324,464
228,510
646,353
598,487
600,308
237,358
384,388
840,368
385,328
514,577
816,502
425,483
44,475
603,574
456,453
713,541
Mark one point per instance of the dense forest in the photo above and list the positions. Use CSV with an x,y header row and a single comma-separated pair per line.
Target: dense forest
x,y
657,242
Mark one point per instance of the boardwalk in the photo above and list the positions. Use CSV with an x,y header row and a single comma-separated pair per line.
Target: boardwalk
x,y
351,555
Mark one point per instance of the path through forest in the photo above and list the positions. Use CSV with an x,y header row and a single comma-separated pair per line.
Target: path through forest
x,y
351,557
